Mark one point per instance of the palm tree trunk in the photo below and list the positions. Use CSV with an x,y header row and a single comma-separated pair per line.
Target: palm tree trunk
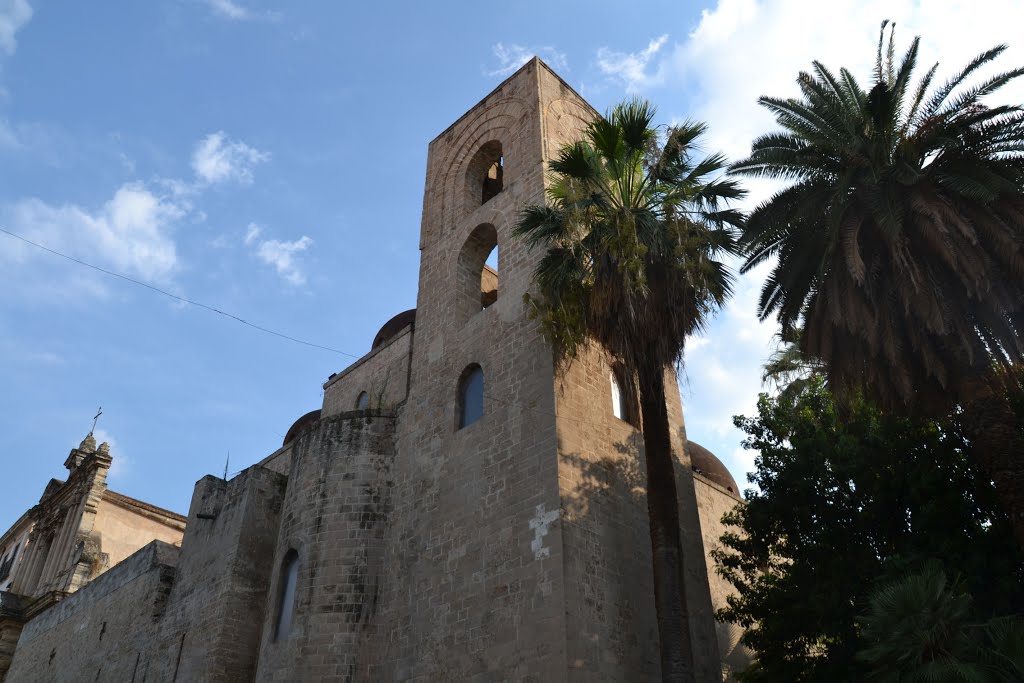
x,y
663,518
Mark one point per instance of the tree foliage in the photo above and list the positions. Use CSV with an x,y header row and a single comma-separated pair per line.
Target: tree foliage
x,y
900,240
843,507
921,628
634,227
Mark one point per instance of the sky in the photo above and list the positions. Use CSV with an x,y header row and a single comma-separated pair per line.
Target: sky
x,y
267,159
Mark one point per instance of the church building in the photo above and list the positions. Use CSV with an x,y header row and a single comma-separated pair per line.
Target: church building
x,y
456,510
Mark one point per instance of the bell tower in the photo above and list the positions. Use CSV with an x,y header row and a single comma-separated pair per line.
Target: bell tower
x,y
520,543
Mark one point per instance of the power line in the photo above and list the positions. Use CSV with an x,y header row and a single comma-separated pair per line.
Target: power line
x,y
178,298
436,382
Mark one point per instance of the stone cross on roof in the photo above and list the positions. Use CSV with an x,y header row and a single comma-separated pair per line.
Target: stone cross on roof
x,y
95,418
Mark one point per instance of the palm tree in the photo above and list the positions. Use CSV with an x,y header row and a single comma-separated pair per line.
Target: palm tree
x,y
900,240
633,227
921,628
788,368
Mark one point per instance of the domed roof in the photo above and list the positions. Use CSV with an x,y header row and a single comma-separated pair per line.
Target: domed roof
x,y
307,420
705,463
393,327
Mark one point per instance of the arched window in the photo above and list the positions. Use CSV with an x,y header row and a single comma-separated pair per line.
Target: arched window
x,y
362,401
485,176
624,405
618,398
477,285
286,604
471,395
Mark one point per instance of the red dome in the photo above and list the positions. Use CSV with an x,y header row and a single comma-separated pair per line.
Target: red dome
x,y
393,327
307,420
705,463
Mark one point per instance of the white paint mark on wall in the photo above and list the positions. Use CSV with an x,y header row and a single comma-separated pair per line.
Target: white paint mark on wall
x,y
540,524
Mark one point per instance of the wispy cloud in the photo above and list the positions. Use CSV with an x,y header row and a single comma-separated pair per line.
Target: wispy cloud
x,y
279,254
252,233
14,14
121,463
130,233
512,56
631,68
228,9
218,159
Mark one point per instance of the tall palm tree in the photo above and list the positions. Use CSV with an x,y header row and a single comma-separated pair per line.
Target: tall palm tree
x,y
900,240
633,227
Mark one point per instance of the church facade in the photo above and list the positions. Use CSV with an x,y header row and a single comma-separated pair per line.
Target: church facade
x,y
457,509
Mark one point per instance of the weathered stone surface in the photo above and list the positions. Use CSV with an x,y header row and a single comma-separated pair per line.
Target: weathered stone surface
x,y
512,549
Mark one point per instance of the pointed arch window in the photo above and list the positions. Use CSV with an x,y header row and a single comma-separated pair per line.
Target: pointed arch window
x,y
485,175
477,285
362,401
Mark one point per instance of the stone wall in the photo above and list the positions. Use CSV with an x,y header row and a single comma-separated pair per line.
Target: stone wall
x,y
101,632
335,516
165,615
713,502
279,461
476,590
383,374
123,526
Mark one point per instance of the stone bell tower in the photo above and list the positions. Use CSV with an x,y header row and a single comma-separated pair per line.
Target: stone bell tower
x,y
519,546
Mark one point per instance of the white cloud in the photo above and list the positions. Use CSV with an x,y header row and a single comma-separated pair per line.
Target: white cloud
x,y
512,56
218,159
229,9
630,68
722,375
120,463
130,233
281,255
14,14
252,233
232,11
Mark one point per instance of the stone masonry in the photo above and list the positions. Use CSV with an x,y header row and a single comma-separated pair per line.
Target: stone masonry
x,y
397,543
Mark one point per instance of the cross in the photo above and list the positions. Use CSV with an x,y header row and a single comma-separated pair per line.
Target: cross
x,y
95,418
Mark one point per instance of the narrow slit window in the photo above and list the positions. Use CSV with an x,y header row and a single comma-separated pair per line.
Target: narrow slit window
x,y
471,396
618,398
286,606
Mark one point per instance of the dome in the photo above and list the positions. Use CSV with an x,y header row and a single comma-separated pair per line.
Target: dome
x,y
705,463
307,420
393,327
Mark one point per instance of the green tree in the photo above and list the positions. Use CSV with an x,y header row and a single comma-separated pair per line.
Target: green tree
x,y
843,505
920,628
633,228
900,240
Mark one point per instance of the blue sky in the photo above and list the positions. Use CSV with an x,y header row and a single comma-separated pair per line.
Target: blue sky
x,y
268,158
